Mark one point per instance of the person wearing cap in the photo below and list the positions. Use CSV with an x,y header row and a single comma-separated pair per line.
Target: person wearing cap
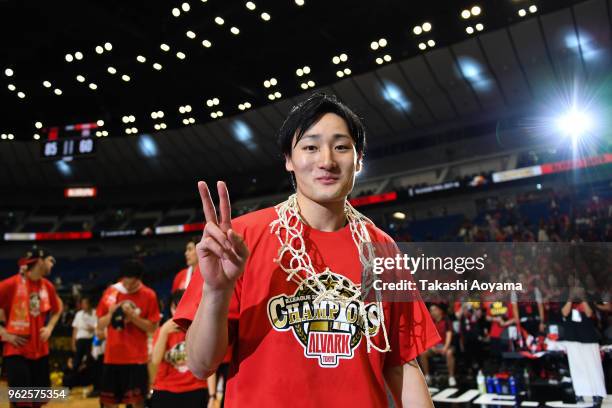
x,y
32,307
129,311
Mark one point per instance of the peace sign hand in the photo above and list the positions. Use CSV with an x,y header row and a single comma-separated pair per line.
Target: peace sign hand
x,y
222,253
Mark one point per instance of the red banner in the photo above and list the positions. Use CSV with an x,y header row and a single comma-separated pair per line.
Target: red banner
x,y
373,199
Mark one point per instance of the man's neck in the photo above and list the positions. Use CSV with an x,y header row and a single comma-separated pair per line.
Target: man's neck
x,y
326,217
35,274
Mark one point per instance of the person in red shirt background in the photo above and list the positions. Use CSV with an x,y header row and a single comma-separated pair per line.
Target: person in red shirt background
x,y
32,309
444,347
174,385
183,277
181,282
502,319
129,311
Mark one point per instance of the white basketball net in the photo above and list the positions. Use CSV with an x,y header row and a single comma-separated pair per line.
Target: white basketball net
x,y
289,229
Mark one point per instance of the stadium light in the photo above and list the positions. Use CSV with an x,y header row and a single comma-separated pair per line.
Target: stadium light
x,y
575,123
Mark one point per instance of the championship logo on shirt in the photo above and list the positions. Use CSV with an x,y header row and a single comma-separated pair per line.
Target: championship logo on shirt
x,y
177,357
498,309
329,330
34,304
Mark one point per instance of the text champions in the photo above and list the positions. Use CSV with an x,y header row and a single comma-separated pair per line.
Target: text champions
x,y
458,265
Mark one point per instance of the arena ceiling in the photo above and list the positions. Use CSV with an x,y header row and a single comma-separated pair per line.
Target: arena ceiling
x,y
408,68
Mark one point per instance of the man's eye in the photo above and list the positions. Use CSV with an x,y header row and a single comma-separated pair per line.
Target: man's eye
x,y
343,147
310,148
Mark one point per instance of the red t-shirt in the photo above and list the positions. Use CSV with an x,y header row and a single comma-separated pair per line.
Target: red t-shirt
x,y
129,345
442,326
498,309
282,345
182,279
172,373
34,348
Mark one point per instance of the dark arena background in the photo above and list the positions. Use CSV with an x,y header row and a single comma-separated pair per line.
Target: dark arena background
x,y
487,121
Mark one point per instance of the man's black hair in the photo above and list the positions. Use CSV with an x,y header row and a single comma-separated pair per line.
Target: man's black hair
x,y
132,268
308,112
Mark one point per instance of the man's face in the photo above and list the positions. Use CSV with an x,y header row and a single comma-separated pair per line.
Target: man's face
x,y
325,161
130,283
435,312
85,304
191,257
47,265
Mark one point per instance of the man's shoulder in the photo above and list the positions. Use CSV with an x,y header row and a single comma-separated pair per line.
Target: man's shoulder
x,y
147,291
48,283
11,280
378,235
253,221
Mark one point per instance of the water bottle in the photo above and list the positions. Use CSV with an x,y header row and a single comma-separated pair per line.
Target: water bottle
x,y
480,381
512,384
490,385
497,385
526,383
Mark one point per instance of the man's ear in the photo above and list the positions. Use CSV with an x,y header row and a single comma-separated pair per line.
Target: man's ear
x,y
288,163
359,163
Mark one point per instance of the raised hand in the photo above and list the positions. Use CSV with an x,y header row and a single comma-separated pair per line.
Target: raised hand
x,y
222,253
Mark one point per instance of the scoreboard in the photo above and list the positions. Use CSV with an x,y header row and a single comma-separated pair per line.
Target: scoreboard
x,y
69,141
59,149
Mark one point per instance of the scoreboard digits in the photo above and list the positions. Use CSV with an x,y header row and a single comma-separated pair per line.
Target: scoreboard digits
x,y
63,143
55,149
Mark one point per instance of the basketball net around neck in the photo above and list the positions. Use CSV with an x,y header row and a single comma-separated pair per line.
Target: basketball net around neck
x,y
289,229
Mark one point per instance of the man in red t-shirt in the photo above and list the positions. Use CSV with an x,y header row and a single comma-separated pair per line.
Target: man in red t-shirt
x,y
129,311
174,385
283,286
444,347
182,279
32,309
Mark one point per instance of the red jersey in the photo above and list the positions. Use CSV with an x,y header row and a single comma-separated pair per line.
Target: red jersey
x,y
182,279
35,348
498,309
285,345
129,345
442,326
172,373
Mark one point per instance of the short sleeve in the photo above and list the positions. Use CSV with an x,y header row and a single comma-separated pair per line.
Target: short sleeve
x,y
188,306
6,293
77,319
177,280
153,314
412,332
538,295
102,309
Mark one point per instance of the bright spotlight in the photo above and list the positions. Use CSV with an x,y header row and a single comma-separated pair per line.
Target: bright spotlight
x,y
575,123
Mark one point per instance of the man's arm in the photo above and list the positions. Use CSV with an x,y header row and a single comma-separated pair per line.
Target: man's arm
x,y
222,257
407,386
45,332
448,340
207,337
104,321
143,324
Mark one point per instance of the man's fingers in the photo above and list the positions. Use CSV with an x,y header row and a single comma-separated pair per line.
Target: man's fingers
x,y
224,206
238,244
214,231
207,205
211,245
